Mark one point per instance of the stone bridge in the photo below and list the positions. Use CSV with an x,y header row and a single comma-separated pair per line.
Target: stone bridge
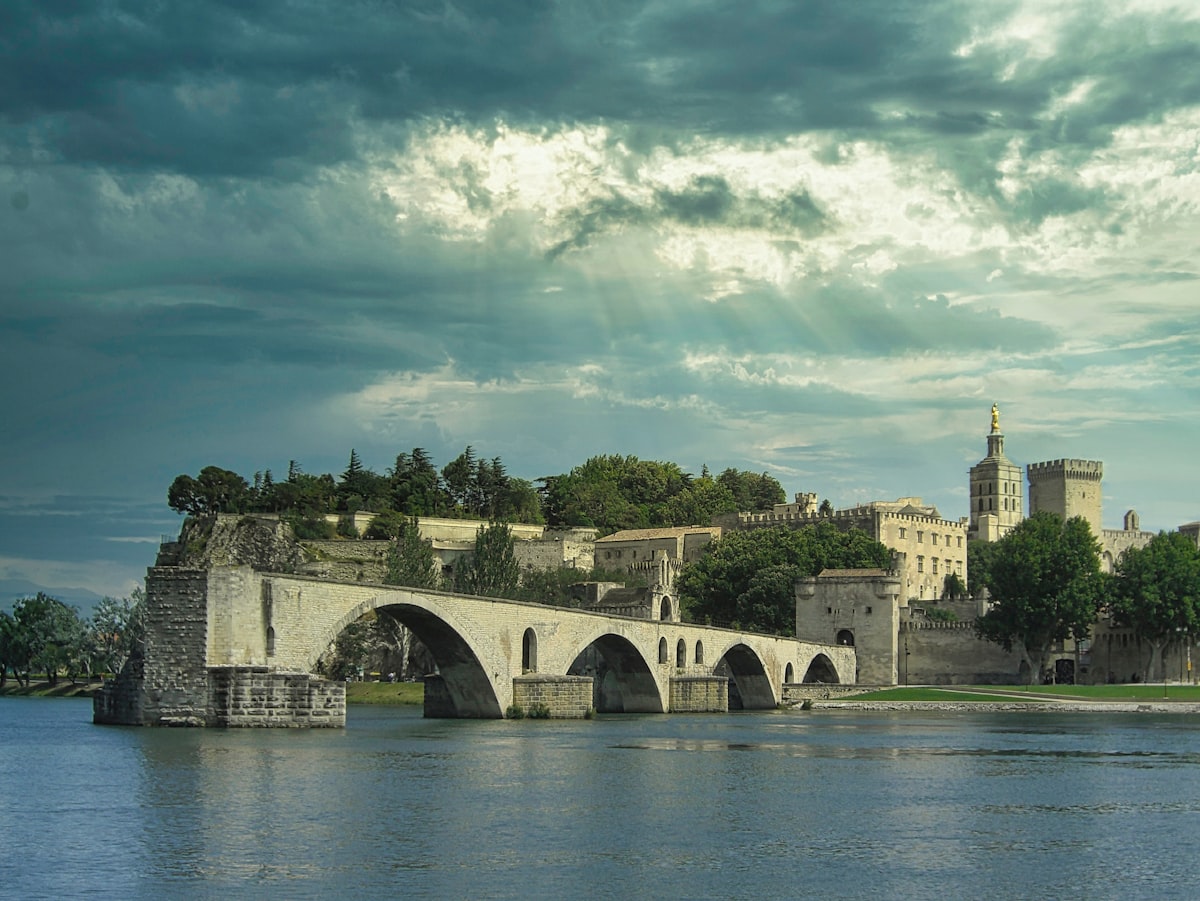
x,y
234,646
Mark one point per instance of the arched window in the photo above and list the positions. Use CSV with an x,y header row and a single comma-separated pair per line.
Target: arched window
x,y
699,651
664,612
270,641
681,654
789,674
529,652
845,637
662,651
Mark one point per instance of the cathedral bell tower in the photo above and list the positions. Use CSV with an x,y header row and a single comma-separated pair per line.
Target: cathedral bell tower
x,y
996,498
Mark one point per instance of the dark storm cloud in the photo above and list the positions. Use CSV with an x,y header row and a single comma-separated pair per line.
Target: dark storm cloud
x,y
257,87
706,200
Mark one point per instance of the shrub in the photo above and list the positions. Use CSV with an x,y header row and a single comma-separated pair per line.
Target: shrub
x,y
514,712
539,712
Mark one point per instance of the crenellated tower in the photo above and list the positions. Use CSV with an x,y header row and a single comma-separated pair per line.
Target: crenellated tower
x,y
1068,488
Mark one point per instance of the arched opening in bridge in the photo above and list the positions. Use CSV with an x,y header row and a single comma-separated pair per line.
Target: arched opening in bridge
x,y
749,685
529,652
845,637
681,654
822,670
662,651
789,674
699,652
270,641
456,684
621,677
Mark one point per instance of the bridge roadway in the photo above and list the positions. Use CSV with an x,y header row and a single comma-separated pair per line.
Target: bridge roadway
x,y
481,645
232,646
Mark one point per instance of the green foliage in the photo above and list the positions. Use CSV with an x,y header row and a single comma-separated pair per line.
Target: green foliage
x,y
1155,590
613,492
539,712
980,557
492,570
345,526
47,636
310,527
117,628
514,712
553,586
386,526
215,490
1046,587
953,588
410,559
749,577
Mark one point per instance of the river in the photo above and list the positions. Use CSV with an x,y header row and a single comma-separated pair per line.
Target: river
x,y
793,804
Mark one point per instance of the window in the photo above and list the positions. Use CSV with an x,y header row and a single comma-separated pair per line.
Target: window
x,y
920,564
920,537
960,541
868,611
934,561
903,532
935,538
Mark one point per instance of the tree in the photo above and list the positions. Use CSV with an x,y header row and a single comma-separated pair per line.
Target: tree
x,y
697,504
117,628
748,578
1046,587
410,559
492,570
49,636
1155,590
980,557
215,490
752,491
11,652
415,488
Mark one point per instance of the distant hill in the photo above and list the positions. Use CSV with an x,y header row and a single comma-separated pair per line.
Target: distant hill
x,y
14,589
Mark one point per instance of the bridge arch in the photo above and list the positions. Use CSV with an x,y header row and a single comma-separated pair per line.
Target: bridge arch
x,y
623,682
749,685
821,669
469,688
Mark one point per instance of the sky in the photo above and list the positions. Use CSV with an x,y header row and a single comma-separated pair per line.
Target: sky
x,y
816,239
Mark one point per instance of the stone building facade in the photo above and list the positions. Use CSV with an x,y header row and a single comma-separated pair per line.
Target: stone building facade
x,y
926,548
631,547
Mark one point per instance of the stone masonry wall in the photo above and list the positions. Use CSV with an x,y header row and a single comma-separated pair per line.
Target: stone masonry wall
x,y
566,697
176,671
699,694
950,654
254,696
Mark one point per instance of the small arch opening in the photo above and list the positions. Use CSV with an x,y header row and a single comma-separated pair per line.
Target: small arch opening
x,y
789,674
664,610
699,651
529,652
662,651
681,654
846,638
270,641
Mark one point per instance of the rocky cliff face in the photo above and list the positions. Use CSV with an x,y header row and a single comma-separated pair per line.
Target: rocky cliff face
x,y
262,542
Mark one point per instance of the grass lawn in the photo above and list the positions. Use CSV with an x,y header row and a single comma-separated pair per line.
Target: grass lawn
x,y
385,692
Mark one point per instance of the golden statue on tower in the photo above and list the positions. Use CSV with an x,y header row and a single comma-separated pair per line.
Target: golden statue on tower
x,y
995,418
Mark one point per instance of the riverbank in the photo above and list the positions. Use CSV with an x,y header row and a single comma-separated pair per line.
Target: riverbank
x,y
42,689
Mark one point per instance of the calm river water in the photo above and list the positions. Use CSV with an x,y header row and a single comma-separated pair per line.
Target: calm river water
x,y
762,805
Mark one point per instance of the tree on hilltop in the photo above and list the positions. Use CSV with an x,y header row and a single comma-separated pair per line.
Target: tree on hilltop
x,y
410,559
492,570
215,490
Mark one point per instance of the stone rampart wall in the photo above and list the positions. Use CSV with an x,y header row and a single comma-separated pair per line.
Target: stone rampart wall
x,y
950,654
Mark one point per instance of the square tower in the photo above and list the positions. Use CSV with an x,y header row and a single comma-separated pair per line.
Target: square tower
x,y
1068,488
